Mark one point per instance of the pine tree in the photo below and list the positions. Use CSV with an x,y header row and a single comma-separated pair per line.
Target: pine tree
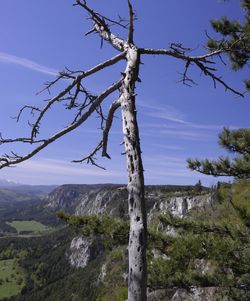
x,y
235,37
75,96
198,187
237,142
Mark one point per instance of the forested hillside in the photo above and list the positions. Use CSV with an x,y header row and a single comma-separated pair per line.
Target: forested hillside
x,y
198,246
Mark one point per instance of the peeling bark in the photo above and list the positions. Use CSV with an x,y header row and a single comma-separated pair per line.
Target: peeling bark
x,y
137,278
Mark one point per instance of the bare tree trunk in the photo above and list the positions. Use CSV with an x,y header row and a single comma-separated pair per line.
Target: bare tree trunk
x,y
137,278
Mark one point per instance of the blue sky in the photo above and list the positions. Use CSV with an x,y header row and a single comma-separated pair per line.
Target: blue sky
x,y
39,38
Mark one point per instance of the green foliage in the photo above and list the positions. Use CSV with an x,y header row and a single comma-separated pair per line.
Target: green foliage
x,y
212,248
234,38
116,254
237,141
241,198
198,188
30,226
11,278
226,27
118,294
114,231
28,210
156,240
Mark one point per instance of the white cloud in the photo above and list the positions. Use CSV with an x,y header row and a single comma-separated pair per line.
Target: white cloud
x,y
176,118
51,171
188,135
167,112
63,167
26,63
168,147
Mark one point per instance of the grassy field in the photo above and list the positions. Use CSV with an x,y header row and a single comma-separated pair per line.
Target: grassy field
x,y
29,226
11,278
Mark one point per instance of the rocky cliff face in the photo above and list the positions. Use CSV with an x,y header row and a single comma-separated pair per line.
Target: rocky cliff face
x,y
192,294
70,195
80,249
182,203
111,200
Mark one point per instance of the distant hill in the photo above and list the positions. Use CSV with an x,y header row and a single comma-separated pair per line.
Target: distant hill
x,y
11,191
8,183
198,244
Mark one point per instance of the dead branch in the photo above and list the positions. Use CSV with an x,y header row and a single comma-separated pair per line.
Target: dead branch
x,y
75,83
101,18
91,157
21,139
201,62
207,71
131,23
203,58
114,106
102,27
32,109
8,160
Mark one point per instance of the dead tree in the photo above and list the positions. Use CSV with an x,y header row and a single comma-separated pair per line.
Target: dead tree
x,y
76,96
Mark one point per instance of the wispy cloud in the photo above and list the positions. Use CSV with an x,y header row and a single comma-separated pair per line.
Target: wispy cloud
x,y
178,133
26,63
168,113
62,167
168,147
51,171
176,118
188,135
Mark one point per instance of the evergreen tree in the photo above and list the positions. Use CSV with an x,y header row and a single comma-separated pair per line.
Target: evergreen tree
x,y
198,187
237,142
76,97
235,38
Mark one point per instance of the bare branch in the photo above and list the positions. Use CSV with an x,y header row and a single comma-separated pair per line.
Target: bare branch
x,y
131,23
104,142
99,18
32,109
201,62
94,16
21,139
7,160
186,80
215,78
102,27
101,116
114,106
179,55
178,48
75,83
91,157
90,31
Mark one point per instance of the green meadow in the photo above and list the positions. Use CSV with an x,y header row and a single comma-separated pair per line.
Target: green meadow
x,y
11,278
28,226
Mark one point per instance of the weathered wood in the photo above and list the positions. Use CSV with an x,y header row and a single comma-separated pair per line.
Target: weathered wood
x,y
137,277
137,280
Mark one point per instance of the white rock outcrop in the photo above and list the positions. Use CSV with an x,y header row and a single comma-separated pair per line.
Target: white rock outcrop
x,y
80,248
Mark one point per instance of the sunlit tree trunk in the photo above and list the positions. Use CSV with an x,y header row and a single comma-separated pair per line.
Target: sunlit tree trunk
x,y
137,274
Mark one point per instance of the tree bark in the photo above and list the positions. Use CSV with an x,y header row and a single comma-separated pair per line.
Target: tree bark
x,y
137,274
